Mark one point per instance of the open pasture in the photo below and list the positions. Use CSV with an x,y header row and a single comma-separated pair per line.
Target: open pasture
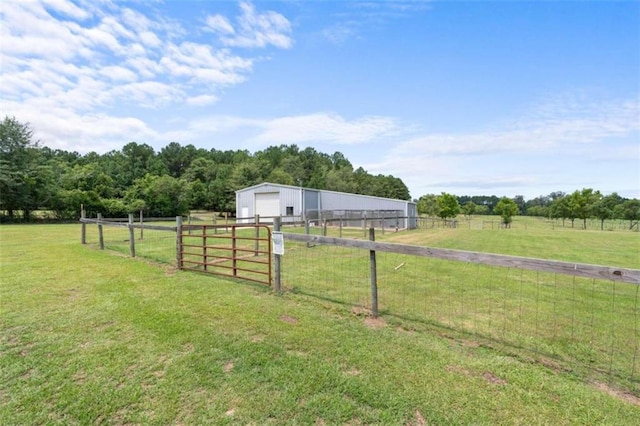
x,y
88,337
585,325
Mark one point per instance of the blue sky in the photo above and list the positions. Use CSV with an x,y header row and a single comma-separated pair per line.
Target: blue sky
x,y
473,98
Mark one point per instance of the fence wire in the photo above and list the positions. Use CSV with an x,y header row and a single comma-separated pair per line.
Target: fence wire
x,y
589,327
152,244
585,326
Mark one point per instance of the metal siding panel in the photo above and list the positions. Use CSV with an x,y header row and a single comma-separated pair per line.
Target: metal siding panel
x,y
244,199
290,197
268,188
339,201
310,199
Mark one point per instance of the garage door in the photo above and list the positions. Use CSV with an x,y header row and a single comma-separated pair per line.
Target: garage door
x,y
268,205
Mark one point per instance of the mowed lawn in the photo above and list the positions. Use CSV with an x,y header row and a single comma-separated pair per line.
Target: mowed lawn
x,y
89,337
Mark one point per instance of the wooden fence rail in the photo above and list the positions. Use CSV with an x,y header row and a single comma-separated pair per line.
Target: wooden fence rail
x,y
626,275
130,224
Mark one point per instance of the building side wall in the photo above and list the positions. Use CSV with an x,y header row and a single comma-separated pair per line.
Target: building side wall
x,y
339,201
244,206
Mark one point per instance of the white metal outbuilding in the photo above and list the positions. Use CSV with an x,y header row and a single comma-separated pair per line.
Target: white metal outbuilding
x,y
294,203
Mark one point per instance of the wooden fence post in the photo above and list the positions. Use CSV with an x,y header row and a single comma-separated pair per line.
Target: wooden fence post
x,y
83,231
179,241
132,237
340,227
364,224
141,225
374,276
100,235
277,284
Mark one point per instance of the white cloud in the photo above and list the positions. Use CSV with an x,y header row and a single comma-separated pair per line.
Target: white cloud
x,y
254,29
361,15
80,72
219,24
84,57
150,39
552,124
63,128
340,32
116,27
118,73
149,93
565,135
202,63
68,8
202,100
323,127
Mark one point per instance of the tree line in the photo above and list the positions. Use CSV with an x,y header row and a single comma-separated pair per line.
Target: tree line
x,y
163,184
581,204
181,178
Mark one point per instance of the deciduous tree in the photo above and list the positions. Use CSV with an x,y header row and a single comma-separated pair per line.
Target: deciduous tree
x,y
428,205
506,208
581,203
23,173
448,204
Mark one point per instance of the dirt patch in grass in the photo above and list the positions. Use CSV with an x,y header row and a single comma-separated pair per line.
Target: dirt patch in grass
x,y
624,396
470,343
257,338
459,370
493,379
369,320
375,322
170,270
227,367
487,376
352,372
418,420
551,364
288,319
360,311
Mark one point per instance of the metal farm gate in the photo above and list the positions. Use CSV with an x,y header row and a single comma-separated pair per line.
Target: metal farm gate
x,y
237,251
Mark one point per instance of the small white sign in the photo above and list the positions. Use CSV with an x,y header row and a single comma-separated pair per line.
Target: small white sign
x,y
278,243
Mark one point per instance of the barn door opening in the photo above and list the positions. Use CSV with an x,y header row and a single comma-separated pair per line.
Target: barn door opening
x,y
267,205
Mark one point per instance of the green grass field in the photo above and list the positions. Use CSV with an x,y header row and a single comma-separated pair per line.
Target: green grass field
x,y
590,327
92,338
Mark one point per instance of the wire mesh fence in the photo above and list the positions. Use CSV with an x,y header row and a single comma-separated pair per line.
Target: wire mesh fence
x,y
586,326
153,243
